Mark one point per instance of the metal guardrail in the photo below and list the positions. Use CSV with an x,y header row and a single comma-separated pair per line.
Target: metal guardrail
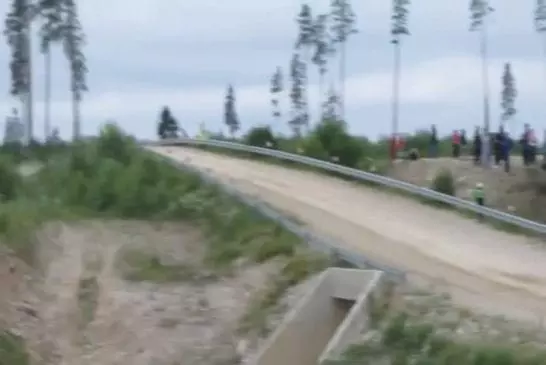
x,y
366,176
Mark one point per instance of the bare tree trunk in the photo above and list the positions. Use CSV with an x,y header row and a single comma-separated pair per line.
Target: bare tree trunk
x,y
321,96
75,114
47,94
342,81
395,97
486,154
29,96
396,88
307,61
544,50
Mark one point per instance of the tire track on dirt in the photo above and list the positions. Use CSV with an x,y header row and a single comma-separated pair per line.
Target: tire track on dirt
x,y
61,258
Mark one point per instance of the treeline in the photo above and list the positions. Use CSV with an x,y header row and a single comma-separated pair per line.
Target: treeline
x,y
322,40
331,141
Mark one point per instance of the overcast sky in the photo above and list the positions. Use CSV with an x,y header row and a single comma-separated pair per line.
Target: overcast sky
x,y
144,54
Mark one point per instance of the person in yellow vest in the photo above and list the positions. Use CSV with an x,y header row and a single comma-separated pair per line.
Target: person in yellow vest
x,y
478,195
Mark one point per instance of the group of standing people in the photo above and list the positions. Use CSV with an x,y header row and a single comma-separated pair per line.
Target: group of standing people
x,y
500,143
458,142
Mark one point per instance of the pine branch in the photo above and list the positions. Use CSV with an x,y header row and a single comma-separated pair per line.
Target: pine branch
x,y
479,10
540,16
399,19
306,31
509,93
16,33
343,19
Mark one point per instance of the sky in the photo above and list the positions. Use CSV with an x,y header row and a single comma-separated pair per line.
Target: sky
x,y
146,54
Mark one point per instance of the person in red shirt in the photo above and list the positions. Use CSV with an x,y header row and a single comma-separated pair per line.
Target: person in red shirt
x,y
456,144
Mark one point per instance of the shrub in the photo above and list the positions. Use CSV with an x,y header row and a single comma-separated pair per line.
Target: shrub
x,y
113,143
10,180
444,182
331,140
261,137
12,349
312,147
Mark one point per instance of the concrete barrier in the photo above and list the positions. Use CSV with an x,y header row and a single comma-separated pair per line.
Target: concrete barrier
x,y
328,318
357,321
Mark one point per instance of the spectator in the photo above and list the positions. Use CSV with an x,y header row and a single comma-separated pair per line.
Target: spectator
x,y
433,143
506,148
478,195
498,145
456,144
533,146
477,146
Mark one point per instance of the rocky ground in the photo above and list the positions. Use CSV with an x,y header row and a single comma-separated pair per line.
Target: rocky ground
x,y
76,307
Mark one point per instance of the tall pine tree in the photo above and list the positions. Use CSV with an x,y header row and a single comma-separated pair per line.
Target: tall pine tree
x,y
51,12
399,28
322,51
540,23
343,26
17,32
508,94
73,42
299,117
479,12
276,89
540,18
231,119
304,44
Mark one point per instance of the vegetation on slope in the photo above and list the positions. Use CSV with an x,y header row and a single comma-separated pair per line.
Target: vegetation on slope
x,y
111,177
12,349
403,340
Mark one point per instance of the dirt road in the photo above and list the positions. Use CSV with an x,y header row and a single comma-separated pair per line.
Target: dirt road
x,y
481,267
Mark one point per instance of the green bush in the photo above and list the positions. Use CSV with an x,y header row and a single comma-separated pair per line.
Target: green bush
x,y
10,180
444,182
12,349
261,137
111,177
331,141
312,147
404,340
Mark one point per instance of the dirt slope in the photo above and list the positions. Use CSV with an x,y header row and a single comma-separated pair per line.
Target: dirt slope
x,y
78,309
481,267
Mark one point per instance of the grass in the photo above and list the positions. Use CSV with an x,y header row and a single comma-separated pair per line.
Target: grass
x,y
12,349
142,266
499,225
403,340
